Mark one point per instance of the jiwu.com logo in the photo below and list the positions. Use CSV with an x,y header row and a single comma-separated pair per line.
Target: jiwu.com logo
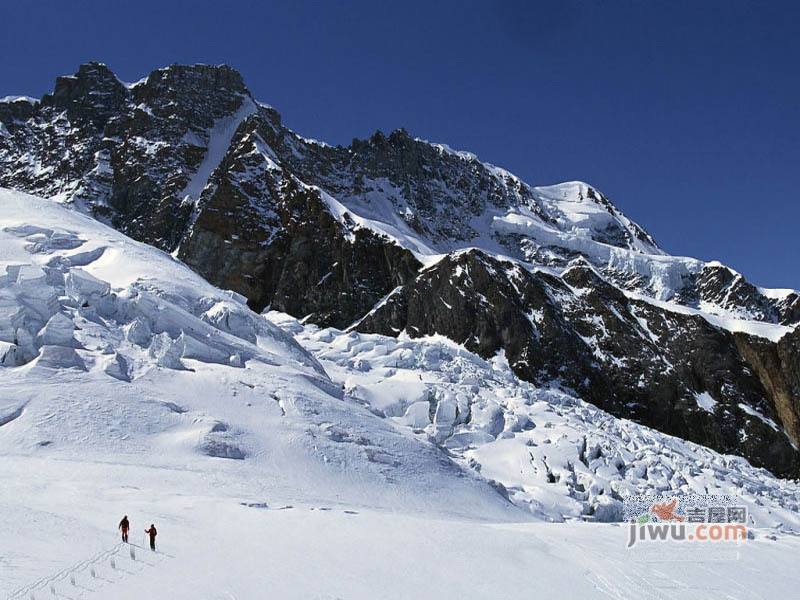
x,y
685,518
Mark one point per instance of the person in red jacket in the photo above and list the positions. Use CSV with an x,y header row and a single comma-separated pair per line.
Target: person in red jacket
x,y
152,533
124,526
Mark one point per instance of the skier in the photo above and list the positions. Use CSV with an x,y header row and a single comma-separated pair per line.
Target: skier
x,y
152,533
124,526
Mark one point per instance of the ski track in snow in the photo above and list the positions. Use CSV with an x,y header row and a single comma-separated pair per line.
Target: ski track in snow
x,y
211,547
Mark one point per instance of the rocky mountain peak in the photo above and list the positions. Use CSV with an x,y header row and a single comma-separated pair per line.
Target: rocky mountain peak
x,y
195,78
197,94
395,234
92,94
16,108
380,142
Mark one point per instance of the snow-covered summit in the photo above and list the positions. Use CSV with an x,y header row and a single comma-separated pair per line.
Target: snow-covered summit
x,y
579,207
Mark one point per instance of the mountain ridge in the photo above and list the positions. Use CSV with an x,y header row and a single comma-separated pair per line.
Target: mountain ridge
x,y
373,235
116,354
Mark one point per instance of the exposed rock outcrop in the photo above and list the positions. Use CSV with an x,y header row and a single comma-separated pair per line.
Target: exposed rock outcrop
x,y
630,357
188,161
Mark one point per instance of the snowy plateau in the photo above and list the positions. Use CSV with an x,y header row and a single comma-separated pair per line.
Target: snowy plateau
x,y
356,421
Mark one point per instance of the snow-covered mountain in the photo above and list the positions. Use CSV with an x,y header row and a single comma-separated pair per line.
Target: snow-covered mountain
x,y
267,449
395,234
114,348
448,355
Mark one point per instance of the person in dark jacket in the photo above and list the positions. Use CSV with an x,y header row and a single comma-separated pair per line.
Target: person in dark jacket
x,y
124,526
152,533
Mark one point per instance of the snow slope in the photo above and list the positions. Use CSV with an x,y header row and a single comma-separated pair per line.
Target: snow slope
x,y
541,227
130,385
211,546
113,351
132,353
219,140
557,456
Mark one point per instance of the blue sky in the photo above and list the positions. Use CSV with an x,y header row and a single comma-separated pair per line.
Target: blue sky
x,y
686,114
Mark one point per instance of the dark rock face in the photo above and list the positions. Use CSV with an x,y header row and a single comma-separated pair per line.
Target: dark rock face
x,y
789,309
627,356
437,191
718,285
778,369
414,177
264,233
248,224
50,144
165,139
90,97
490,306
18,109
313,266
188,161
126,154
